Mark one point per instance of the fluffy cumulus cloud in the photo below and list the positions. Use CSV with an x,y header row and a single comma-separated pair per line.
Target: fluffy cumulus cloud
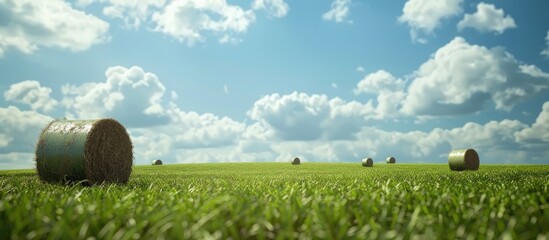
x,y
299,116
193,130
487,18
19,129
508,141
389,90
545,51
424,16
131,95
186,135
30,92
339,11
313,127
133,12
190,21
538,134
26,25
461,77
276,8
496,141
158,126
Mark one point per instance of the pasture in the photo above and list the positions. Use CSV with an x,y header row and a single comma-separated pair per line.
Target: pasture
x,y
284,201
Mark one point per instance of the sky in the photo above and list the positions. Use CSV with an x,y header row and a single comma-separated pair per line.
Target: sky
x,y
266,80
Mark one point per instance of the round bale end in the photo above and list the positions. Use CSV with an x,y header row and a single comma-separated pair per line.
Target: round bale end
x,y
463,159
95,151
367,162
157,162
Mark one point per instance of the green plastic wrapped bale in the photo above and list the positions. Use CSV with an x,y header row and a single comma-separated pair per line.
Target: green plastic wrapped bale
x,y
367,162
390,160
91,151
296,161
464,159
157,162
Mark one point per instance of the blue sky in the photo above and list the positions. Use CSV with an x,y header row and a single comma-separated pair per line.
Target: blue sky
x,y
265,80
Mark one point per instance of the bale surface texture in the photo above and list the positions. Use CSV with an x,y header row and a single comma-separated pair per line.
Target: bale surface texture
x,y
463,159
76,150
367,162
296,161
390,160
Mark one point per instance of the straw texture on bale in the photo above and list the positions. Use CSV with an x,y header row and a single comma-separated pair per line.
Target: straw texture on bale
x,y
91,151
367,162
464,159
157,162
390,160
296,161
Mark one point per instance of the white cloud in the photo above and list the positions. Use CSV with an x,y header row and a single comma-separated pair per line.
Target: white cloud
x,y
190,21
193,130
28,25
226,89
186,130
492,135
339,11
31,93
545,51
334,85
313,127
16,160
299,116
487,19
276,8
495,141
174,96
83,3
533,71
389,90
22,127
360,69
131,95
379,81
460,78
150,145
424,16
539,132
133,12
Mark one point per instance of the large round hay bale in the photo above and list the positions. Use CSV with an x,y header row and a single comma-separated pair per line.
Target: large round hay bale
x,y
367,162
463,159
157,162
390,160
92,151
296,161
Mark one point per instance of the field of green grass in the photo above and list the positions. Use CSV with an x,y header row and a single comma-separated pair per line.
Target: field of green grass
x,y
282,201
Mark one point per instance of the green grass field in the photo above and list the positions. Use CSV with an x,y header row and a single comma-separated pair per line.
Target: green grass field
x,y
279,200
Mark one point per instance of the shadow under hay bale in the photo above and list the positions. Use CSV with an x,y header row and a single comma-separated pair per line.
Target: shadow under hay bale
x,y
367,162
89,151
157,162
390,160
463,159
296,161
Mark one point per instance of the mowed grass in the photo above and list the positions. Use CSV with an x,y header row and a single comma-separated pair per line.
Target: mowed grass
x,y
282,201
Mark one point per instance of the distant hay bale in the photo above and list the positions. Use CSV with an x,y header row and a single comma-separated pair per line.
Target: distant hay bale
x,y
390,160
367,162
296,161
463,159
92,151
157,162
